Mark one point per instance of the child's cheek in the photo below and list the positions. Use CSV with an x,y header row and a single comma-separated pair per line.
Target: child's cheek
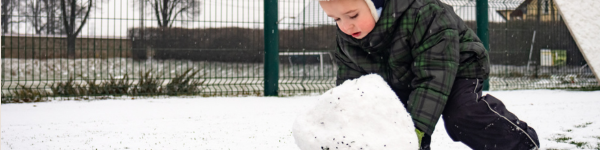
x,y
367,27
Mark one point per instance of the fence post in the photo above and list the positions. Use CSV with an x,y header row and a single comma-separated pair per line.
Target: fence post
x,y
271,32
482,30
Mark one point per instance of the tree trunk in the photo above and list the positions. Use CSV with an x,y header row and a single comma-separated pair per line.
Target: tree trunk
x,y
5,15
51,26
51,19
165,13
4,23
71,39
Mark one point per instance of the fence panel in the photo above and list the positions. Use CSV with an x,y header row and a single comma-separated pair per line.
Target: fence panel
x,y
211,48
216,48
307,40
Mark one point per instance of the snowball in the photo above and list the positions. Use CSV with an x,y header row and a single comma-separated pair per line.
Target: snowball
x,y
360,114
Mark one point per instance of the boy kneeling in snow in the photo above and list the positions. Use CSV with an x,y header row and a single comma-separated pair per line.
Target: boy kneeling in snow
x,y
433,62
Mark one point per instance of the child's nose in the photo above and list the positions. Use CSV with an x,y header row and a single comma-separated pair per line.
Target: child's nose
x,y
348,26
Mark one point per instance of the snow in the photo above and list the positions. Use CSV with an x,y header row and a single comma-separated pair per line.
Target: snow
x,y
359,114
581,17
242,123
174,123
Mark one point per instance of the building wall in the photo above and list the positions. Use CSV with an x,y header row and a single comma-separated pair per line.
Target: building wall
x,y
548,11
48,47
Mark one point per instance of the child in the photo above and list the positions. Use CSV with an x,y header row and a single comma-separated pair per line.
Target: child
x,y
434,63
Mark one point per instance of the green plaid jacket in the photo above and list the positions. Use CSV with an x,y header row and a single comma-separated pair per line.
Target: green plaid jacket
x,y
419,47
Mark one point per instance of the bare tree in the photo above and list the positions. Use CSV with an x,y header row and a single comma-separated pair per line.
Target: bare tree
x,y
53,21
74,16
7,12
166,11
33,12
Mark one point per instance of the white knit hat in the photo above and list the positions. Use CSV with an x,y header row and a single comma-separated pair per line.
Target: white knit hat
x,y
376,6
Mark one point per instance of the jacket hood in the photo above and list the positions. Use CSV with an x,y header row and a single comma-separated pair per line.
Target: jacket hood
x,y
376,6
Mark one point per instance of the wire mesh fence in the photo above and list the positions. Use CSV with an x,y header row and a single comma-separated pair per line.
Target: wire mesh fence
x,y
532,48
216,48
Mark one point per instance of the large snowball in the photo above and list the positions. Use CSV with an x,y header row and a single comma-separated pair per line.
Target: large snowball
x,y
360,114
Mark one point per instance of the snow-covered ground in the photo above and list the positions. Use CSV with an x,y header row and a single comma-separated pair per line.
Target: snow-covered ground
x,y
242,123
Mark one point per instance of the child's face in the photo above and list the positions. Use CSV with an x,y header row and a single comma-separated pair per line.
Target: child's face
x,y
353,17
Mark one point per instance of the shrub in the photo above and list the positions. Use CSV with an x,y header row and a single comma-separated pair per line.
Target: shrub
x,y
27,94
184,84
148,84
113,86
68,88
116,86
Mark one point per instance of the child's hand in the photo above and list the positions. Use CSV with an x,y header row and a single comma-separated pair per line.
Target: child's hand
x,y
419,135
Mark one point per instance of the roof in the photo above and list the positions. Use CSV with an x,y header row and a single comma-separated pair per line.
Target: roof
x,y
580,16
519,10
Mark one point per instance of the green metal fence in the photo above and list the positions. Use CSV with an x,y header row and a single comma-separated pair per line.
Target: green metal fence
x,y
217,48
532,48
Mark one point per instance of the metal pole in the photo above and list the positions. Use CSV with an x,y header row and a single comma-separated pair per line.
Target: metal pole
x,y
530,52
271,32
482,30
321,60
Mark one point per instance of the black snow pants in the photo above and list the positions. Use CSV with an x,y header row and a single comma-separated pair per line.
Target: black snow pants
x,y
483,122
